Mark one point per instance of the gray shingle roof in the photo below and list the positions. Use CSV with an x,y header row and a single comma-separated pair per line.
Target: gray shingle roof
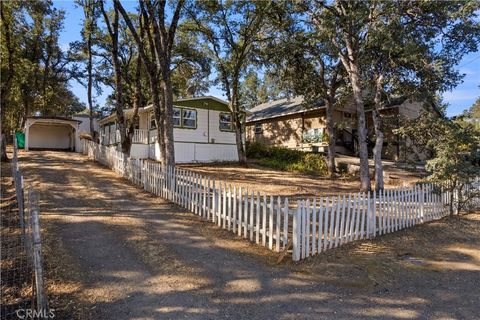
x,y
281,107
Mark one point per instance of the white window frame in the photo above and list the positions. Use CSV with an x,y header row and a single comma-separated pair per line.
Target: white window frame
x,y
194,112
152,119
179,125
227,122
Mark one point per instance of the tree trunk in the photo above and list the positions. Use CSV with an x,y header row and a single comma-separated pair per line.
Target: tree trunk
x,y
3,136
362,130
242,157
3,148
377,150
89,85
377,124
331,138
6,83
167,118
137,102
88,9
452,198
234,107
119,105
113,32
157,109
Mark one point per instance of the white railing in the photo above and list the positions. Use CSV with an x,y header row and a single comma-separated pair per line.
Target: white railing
x,y
310,227
140,136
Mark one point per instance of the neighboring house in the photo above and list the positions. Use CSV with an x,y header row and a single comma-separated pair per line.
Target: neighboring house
x,y
84,127
203,131
293,123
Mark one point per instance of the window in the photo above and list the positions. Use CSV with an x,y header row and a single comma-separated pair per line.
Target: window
x,y
347,115
314,135
153,123
226,122
177,117
258,128
189,118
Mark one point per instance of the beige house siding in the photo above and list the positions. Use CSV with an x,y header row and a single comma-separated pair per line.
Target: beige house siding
x,y
287,131
282,131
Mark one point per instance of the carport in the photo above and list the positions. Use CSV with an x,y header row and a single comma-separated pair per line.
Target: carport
x,y
54,133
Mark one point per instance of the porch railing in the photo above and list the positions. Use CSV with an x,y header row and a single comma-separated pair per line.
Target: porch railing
x,y
140,136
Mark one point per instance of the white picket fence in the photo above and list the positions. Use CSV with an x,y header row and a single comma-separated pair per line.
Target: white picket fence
x,y
309,226
327,222
262,219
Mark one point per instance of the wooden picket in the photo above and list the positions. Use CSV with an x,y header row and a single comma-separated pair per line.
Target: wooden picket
x,y
311,226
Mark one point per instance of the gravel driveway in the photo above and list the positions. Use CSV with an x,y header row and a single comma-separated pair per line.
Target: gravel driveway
x,y
135,256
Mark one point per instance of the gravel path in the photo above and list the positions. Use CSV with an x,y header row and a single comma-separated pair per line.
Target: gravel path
x,y
139,257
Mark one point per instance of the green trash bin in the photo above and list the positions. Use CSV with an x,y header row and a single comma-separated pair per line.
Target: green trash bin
x,y
20,140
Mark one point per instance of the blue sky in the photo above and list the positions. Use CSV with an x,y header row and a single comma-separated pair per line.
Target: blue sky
x,y
459,99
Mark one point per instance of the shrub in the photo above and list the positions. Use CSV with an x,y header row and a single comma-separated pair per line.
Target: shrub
x,y
256,150
287,159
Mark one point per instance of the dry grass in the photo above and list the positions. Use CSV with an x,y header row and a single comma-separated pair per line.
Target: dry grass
x,y
444,246
438,252
297,185
16,284
61,277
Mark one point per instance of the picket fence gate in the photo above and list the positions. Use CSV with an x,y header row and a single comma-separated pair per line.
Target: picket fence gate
x,y
309,227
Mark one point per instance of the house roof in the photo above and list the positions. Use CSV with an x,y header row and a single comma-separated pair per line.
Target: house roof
x,y
282,107
177,103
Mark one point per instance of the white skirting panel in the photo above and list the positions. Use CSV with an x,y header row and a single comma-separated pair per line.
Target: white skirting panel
x,y
188,152
139,151
215,152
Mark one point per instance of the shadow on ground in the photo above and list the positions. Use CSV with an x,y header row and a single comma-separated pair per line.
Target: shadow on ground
x,y
125,254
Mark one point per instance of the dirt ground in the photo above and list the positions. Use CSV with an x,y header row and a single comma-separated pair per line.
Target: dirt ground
x,y
113,251
16,273
296,185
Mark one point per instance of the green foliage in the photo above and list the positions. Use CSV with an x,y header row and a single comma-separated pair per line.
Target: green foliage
x,y
311,137
472,115
35,69
455,146
287,159
474,111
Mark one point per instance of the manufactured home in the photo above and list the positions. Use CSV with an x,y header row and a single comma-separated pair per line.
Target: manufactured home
x,y
203,131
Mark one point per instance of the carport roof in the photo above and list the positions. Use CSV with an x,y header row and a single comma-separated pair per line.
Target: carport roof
x,y
54,118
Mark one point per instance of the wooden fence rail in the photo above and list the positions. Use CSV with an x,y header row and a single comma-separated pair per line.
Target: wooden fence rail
x,y
311,226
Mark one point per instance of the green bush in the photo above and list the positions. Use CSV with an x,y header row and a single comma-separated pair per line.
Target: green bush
x,y
287,159
256,150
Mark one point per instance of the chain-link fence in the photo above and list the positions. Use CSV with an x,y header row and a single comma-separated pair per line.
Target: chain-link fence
x,y
22,285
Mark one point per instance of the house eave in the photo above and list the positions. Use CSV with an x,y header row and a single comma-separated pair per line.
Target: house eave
x,y
285,114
